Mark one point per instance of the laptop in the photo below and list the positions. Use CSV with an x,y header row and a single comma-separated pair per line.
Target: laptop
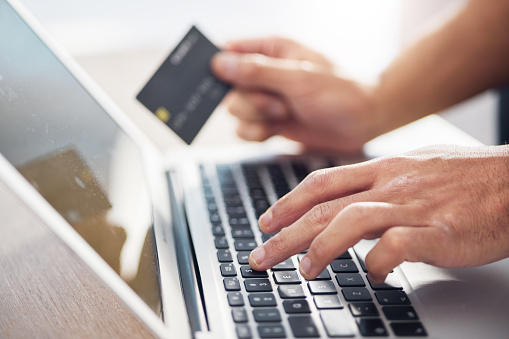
x,y
170,234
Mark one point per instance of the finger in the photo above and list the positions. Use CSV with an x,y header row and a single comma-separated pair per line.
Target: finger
x,y
399,244
257,106
355,222
256,131
269,46
298,236
319,186
282,76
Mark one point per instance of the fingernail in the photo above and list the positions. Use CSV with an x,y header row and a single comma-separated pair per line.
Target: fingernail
x,y
305,266
265,220
227,64
258,254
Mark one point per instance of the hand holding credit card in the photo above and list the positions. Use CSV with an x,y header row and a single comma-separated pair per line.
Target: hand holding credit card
x,y
183,92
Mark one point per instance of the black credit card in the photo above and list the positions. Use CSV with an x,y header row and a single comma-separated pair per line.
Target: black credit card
x,y
183,92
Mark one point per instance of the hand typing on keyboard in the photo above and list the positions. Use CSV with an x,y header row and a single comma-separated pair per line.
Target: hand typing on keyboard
x,y
445,206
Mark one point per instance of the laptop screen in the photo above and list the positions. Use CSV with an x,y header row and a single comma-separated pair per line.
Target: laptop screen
x,y
75,155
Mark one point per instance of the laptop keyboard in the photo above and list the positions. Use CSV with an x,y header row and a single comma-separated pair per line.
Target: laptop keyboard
x,y
279,303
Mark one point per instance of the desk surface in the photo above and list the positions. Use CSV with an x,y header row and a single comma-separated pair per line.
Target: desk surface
x,y
45,291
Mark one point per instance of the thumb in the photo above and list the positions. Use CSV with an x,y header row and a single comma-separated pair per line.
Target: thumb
x,y
258,70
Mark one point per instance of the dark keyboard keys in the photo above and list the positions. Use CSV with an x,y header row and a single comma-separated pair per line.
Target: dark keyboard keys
x,y
296,306
243,331
409,329
392,298
363,309
345,255
248,272
271,331
267,315
323,276
231,284
356,294
228,270
217,230
258,285
221,243
239,315
235,299
224,256
290,291
286,265
245,244
391,283
400,313
372,327
328,301
286,277
350,280
337,323
242,232
262,300
344,266
303,327
243,257
322,287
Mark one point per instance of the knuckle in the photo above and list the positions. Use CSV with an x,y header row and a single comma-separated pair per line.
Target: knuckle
x,y
396,241
319,216
277,245
317,181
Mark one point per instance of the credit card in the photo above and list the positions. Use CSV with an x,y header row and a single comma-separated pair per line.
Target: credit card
x,y
183,92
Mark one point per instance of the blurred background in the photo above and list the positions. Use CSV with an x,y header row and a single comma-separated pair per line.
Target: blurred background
x,y
121,43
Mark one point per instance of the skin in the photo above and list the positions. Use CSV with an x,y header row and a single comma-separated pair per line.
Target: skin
x,y
447,206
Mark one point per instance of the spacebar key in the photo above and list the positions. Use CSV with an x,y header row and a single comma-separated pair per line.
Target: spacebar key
x,y
337,323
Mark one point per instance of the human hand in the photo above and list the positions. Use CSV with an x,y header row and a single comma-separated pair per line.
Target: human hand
x,y
284,88
447,206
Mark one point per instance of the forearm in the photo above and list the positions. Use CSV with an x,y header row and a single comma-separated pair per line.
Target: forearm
x,y
466,56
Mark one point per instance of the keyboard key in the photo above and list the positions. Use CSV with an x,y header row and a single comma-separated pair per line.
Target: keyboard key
x,y
344,266
239,315
248,272
337,323
363,309
239,222
214,218
221,243
372,327
327,301
228,270
391,283
323,276
267,315
245,245
224,256
356,294
231,284
392,298
286,277
345,255
350,280
258,285
262,300
400,313
290,291
296,306
409,329
267,236
322,287
242,232
303,327
243,331
243,257
286,265
235,299
217,230
271,331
